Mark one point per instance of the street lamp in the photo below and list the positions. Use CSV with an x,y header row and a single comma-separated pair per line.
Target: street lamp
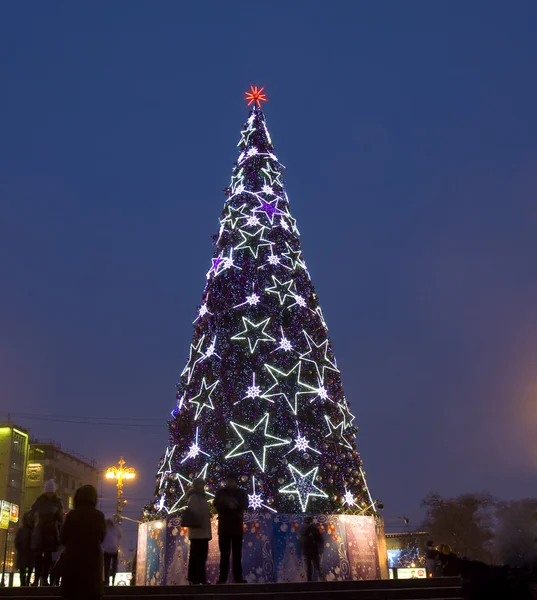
x,y
120,474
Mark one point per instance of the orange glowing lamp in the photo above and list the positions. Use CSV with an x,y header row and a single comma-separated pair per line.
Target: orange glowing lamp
x,y
255,96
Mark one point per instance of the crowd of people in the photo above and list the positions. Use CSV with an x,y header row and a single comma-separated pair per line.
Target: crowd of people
x,y
230,502
72,551
75,550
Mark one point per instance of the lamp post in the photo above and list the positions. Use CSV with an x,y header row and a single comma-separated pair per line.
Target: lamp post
x,y
120,474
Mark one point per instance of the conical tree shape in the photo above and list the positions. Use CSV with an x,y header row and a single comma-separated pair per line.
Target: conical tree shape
x,y
261,393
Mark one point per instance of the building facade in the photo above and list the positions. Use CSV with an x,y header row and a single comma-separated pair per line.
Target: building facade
x,y
13,463
47,460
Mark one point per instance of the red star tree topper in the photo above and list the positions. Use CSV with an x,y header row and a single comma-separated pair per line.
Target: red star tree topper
x,y
255,95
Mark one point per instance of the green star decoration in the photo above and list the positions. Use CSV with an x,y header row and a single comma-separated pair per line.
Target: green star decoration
x,y
255,441
203,399
255,239
337,429
249,333
303,486
282,289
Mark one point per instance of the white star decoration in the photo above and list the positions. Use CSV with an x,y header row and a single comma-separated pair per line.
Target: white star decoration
x,y
249,333
181,481
318,355
333,429
204,399
273,175
303,486
196,355
252,441
253,241
286,385
166,466
281,289
245,135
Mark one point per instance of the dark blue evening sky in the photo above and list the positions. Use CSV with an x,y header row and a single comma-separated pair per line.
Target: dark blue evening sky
x,y
409,132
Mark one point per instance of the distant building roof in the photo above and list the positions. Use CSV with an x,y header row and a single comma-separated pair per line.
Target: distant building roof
x,y
90,462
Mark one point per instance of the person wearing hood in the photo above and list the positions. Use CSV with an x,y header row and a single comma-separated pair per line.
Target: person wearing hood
x,y
111,542
230,502
199,536
47,514
82,536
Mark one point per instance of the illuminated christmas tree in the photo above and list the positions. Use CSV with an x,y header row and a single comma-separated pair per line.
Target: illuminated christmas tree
x,y
261,393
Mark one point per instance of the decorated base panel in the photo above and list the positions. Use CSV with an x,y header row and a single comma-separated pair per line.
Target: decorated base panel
x,y
271,550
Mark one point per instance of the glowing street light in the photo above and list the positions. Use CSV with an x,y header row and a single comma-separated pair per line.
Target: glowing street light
x,y
120,474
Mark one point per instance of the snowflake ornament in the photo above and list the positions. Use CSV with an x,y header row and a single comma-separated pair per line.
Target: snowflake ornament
x,y
252,300
253,221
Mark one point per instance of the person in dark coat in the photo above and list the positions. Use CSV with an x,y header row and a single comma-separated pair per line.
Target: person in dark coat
x,y
82,559
230,503
312,548
449,561
25,556
432,557
47,514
